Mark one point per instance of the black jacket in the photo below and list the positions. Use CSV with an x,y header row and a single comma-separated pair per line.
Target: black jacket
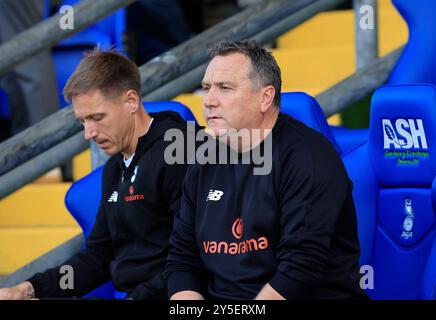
x,y
294,228
129,241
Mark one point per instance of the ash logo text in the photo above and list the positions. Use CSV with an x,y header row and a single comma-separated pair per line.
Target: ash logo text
x,y
404,134
405,141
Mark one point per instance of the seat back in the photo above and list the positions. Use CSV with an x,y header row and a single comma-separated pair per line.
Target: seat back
x,y
303,107
402,150
306,109
417,63
83,198
428,287
393,175
365,190
348,138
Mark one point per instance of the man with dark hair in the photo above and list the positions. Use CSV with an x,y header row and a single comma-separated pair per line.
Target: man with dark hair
x,y
140,192
288,234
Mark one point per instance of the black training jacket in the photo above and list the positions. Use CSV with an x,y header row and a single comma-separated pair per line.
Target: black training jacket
x,y
294,228
129,241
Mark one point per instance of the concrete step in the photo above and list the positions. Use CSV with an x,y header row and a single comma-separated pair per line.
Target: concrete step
x,y
36,205
33,220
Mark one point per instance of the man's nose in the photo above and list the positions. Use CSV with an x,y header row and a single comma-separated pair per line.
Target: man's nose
x,y
210,99
90,131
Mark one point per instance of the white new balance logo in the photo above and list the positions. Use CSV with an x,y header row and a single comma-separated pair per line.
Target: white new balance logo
x,y
114,197
214,195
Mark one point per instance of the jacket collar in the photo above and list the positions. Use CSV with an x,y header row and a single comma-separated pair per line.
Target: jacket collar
x,y
161,123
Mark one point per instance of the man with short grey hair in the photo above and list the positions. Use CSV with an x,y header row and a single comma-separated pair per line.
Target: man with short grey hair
x,y
289,233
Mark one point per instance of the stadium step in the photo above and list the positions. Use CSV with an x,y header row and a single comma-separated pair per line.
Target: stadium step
x,y
33,220
336,29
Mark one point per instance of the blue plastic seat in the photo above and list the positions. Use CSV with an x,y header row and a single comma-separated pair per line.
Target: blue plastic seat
x,y
306,109
83,197
379,202
416,63
394,192
348,138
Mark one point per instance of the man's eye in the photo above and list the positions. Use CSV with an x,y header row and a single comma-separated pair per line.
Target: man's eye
x,y
97,118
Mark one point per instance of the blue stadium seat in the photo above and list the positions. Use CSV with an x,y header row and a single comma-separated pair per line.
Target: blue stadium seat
x,y
348,138
107,33
417,63
428,290
306,109
83,197
394,192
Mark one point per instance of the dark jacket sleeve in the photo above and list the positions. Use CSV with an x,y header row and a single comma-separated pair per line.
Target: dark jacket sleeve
x,y
171,190
313,188
90,267
184,269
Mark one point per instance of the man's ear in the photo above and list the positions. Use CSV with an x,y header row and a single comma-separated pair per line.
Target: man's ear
x,y
267,100
132,99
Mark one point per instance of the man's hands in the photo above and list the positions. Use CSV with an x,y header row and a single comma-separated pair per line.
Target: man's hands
x,y
268,293
23,291
187,295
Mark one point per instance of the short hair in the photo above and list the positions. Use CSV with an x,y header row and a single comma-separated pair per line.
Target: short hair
x,y
264,67
107,71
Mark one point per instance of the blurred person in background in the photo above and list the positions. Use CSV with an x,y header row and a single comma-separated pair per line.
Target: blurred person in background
x,y
31,85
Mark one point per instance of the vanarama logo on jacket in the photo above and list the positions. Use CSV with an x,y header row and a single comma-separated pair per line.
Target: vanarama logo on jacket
x,y
133,196
237,247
